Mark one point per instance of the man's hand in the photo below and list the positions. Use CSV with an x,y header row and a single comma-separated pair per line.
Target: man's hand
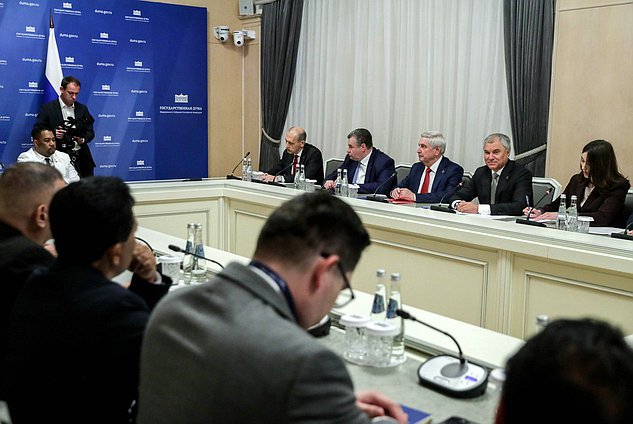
x,y
402,193
59,133
268,178
144,263
467,207
376,404
329,184
79,140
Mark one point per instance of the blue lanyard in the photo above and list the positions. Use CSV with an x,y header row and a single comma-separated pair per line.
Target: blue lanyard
x,y
283,286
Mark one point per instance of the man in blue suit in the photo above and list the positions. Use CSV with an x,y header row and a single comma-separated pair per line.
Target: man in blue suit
x,y
432,179
366,166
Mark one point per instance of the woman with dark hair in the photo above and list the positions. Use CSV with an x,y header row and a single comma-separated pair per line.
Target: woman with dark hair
x,y
599,187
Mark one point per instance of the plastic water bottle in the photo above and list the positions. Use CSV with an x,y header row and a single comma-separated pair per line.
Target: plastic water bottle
x,y
378,308
199,268
302,177
339,181
344,184
187,262
244,169
572,215
561,217
395,302
249,170
541,322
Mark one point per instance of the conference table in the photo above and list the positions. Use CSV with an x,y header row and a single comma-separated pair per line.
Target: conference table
x,y
492,274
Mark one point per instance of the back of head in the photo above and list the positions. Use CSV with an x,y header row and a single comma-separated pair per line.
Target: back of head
x,y
573,371
89,216
436,139
309,224
361,135
603,165
23,187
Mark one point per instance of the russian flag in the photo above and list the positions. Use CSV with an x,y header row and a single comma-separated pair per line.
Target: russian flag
x,y
53,72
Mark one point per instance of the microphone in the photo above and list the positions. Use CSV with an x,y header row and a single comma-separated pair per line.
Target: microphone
x,y
380,197
623,235
284,170
453,376
446,208
526,221
233,177
180,249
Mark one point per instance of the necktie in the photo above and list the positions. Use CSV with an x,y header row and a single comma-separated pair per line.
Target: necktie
x,y
48,161
493,187
294,164
425,183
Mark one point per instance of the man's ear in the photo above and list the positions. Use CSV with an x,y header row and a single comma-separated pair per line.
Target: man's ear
x,y
41,216
319,271
114,254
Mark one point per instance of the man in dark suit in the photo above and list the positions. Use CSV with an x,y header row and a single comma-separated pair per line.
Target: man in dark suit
x,y
53,115
366,166
432,179
75,335
297,153
26,190
236,350
503,187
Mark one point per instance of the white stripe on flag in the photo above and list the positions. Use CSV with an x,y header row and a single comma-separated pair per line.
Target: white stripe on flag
x,y
53,72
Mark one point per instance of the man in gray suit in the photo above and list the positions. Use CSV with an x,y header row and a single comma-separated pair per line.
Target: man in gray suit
x,y
235,350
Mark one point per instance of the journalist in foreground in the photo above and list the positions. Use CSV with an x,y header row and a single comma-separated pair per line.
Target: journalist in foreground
x,y
236,350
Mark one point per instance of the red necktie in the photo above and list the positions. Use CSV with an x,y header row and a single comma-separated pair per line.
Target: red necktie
x,y
294,164
425,183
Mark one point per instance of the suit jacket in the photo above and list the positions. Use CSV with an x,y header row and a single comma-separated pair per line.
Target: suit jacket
x,y
60,160
310,157
448,176
515,182
51,115
19,256
604,206
74,346
379,169
230,351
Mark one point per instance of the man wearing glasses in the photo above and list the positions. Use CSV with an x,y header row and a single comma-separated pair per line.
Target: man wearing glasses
x,y
236,350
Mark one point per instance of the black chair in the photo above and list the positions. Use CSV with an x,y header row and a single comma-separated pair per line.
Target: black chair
x,y
466,178
626,211
332,165
402,170
540,186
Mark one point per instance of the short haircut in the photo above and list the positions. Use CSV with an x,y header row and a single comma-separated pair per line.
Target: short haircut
x,y
310,224
301,133
573,371
362,136
24,186
70,80
89,216
504,139
37,130
436,139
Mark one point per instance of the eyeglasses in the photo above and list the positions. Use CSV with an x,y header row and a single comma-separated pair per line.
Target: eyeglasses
x,y
347,294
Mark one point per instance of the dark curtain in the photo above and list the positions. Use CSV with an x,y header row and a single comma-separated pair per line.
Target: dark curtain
x,y
281,28
529,38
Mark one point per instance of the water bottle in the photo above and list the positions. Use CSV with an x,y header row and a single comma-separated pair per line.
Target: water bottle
x,y
249,170
344,184
561,217
244,168
302,178
199,268
187,261
339,181
541,322
572,215
378,308
395,302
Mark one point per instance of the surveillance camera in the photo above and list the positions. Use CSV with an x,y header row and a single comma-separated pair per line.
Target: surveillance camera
x,y
238,38
221,33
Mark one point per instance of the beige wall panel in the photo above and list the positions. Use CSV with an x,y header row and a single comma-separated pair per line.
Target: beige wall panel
x,y
562,291
592,90
245,220
583,4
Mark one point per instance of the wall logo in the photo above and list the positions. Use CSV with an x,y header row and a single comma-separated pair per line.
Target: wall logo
x,y
30,31
33,84
104,38
136,16
106,91
181,98
107,138
138,67
104,35
181,106
136,13
5,118
140,166
139,116
3,62
67,9
31,59
106,141
140,162
105,87
70,63
31,88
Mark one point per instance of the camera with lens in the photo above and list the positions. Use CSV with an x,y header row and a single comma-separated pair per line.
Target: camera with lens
x,y
74,128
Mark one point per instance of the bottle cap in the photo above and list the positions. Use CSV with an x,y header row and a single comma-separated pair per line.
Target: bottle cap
x,y
395,276
169,259
354,320
381,328
380,273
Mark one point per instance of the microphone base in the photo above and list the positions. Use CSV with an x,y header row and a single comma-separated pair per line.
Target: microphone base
x,y
622,236
448,375
441,208
233,177
377,198
532,223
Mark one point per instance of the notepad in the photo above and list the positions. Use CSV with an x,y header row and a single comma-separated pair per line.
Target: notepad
x,y
416,416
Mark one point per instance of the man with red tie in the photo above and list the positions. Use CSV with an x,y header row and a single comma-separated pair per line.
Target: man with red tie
x,y
297,153
432,179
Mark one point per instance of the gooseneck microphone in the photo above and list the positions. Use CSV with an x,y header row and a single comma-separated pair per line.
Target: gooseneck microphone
x,y
380,197
526,220
231,176
446,208
451,375
623,235
283,170
180,249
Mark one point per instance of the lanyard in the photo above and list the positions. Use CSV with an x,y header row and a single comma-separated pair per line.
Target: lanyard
x,y
283,286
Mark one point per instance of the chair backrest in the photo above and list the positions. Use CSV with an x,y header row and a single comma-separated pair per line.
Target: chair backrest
x,y
626,211
402,170
540,186
332,164
466,178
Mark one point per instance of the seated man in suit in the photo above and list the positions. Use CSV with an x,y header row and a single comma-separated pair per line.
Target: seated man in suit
x,y
434,177
75,335
366,166
26,190
502,186
297,153
45,151
244,355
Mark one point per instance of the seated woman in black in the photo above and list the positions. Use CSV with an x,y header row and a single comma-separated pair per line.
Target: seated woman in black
x,y
600,188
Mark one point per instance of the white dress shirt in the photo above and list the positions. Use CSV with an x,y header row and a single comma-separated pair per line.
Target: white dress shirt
x,y
60,160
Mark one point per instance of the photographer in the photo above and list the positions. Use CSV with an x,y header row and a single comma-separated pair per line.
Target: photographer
x,y
72,123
